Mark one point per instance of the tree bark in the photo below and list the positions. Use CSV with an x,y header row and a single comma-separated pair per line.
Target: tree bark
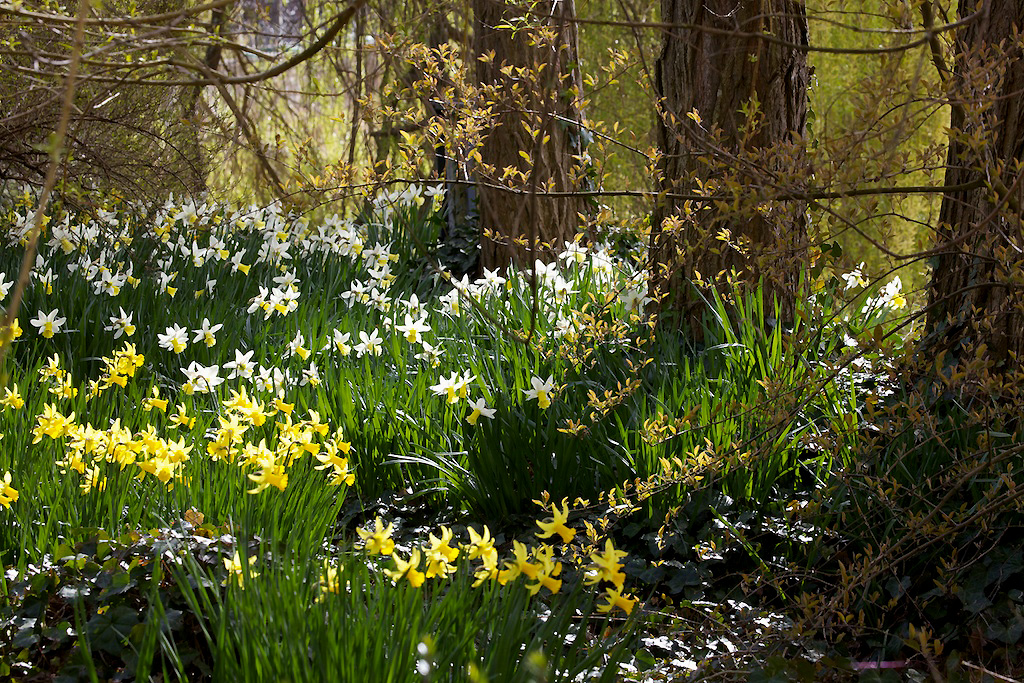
x,y
975,295
732,114
520,226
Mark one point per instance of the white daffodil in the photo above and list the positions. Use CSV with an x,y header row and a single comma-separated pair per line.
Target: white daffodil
x,y
174,338
480,409
413,330
205,333
369,343
241,366
542,390
430,354
49,323
413,306
340,342
121,325
201,378
855,278
310,376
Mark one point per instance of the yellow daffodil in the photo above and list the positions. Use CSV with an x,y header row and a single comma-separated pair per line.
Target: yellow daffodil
x,y
407,569
92,479
52,424
557,523
9,334
12,398
606,566
549,569
617,599
181,418
236,570
329,581
8,494
274,475
479,544
440,554
488,569
521,565
155,402
379,540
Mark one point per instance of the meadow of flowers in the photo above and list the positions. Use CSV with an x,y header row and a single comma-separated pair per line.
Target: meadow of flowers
x,y
244,441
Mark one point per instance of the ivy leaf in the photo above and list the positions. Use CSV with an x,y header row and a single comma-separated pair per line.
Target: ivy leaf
x,y
107,631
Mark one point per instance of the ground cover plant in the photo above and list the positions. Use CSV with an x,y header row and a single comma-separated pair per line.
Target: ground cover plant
x,y
265,412
219,419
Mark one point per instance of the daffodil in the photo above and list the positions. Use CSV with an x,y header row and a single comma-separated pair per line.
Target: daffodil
x,y
557,523
440,554
181,418
236,263
297,346
479,544
12,397
488,569
285,408
8,494
455,387
442,545
407,569
201,378
430,354
52,423
606,566
92,480
412,306
11,332
121,325
413,330
446,388
542,390
48,324
174,338
332,457
236,570
379,540
548,571
162,468
241,366
340,341
480,409
520,565
310,376
329,580
273,475
205,333
52,368
617,599
855,278
369,344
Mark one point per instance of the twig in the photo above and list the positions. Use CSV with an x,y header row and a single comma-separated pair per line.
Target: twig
x,y
987,672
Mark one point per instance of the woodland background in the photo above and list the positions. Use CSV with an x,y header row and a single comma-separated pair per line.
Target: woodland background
x,y
831,186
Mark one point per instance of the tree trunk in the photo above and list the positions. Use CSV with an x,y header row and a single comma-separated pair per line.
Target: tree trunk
x,y
522,225
724,61
975,295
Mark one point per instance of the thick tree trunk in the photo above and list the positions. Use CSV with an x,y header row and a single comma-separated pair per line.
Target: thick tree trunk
x,y
524,225
724,58
976,292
